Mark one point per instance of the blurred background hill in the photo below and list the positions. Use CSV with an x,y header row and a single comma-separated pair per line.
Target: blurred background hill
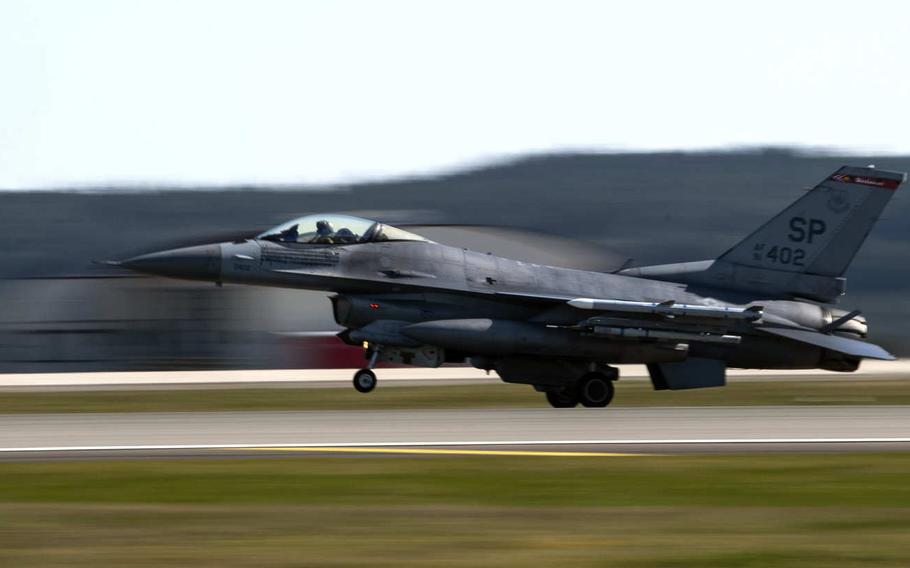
x,y
63,313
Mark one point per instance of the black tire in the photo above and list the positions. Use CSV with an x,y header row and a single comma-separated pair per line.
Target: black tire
x,y
364,380
595,390
562,399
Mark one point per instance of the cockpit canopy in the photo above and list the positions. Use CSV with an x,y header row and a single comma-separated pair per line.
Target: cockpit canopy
x,y
336,230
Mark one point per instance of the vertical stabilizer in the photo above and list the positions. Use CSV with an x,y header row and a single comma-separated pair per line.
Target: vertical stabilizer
x,y
804,250
821,231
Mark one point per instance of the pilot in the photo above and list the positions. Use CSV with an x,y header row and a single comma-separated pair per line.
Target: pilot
x,y
345,235
324,232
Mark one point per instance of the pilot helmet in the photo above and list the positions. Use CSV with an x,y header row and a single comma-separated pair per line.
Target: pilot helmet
x,y
323,227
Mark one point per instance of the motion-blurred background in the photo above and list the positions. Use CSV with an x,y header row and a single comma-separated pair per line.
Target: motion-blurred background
x,y
61,312
659,132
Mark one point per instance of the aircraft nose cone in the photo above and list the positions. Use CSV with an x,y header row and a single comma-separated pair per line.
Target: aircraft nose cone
x,y
196,263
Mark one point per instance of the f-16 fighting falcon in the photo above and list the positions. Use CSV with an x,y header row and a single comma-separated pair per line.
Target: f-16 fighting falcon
x,y
764,303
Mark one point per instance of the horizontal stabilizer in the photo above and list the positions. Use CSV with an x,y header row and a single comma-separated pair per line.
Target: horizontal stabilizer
x,y
844,345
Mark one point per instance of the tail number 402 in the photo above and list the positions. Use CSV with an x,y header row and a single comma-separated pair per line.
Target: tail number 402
x,y
786,255
777,254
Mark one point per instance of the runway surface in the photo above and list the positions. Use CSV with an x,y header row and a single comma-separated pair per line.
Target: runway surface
x,y
389,376
651,430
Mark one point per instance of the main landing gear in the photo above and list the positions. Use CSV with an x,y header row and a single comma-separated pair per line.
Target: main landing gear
x,y
365,379
593,390
562,398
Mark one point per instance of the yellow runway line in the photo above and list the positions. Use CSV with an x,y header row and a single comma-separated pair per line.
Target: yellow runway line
x,y
443,452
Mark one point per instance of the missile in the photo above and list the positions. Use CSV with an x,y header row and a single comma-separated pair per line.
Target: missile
x,y
641,333
669,309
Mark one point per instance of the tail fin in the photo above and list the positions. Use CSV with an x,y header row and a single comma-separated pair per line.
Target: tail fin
x,y
804,250
822,230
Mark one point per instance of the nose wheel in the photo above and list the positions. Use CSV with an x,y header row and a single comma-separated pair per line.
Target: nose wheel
x,y
364,380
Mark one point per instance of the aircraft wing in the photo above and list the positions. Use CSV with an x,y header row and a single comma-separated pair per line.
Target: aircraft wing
x,y
687,314
844,345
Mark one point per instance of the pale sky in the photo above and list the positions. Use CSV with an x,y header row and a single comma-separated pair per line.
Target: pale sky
x,y
214,92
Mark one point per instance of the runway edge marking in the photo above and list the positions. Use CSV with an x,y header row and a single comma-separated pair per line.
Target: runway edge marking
x,y
706,441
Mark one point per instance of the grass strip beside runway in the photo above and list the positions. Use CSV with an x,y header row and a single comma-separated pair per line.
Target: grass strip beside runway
x,y
441,451
734,510
639,393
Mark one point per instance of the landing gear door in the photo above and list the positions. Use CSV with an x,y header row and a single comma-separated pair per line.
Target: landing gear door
x,y
481,271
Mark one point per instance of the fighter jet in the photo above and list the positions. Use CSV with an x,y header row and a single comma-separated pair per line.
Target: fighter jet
x,y
765,303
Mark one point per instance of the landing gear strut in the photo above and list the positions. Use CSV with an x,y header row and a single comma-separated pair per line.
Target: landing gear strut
x,y
365,379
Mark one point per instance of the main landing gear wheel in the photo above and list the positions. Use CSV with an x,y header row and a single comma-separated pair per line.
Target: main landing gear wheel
x,y
562,399
364,380
595,390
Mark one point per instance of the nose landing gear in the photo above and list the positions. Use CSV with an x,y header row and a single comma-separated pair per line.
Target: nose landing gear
x,y
365,379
